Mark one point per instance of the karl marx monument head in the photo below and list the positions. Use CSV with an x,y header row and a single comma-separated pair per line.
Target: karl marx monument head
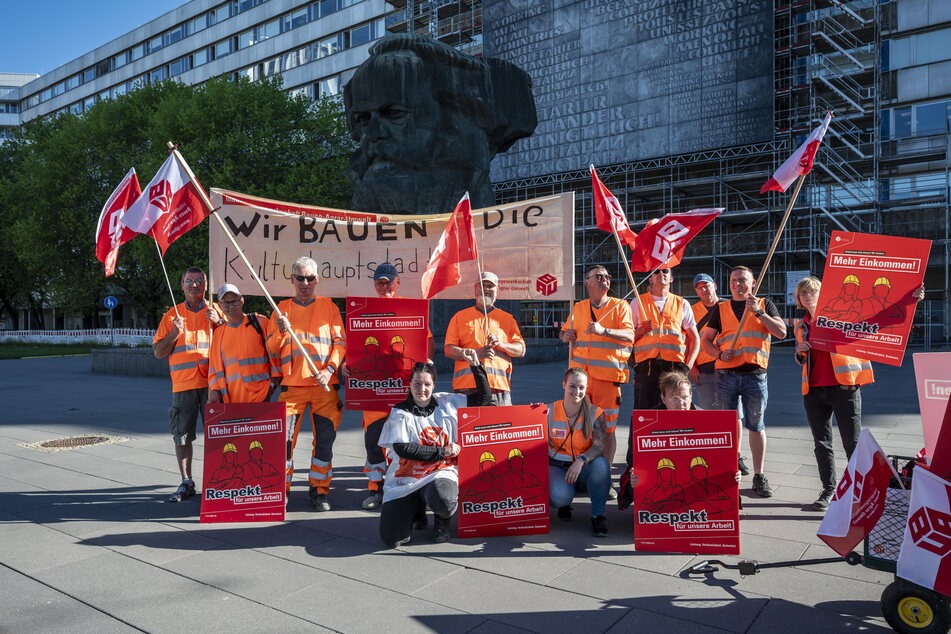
x,y
429,119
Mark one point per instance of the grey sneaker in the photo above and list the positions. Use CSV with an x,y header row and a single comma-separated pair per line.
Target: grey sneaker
x,y
184,491
761,486
822,503
741,466
373,501
320,503
440,530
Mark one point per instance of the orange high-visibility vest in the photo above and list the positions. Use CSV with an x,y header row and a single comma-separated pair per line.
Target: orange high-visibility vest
x,y
848,370
666,339
699,312
240,367
603,358
467,330
188,362
565,444
319,327
753,346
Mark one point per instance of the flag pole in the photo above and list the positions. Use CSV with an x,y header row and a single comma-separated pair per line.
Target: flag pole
x,y
178,157
769,257
167,281
485,315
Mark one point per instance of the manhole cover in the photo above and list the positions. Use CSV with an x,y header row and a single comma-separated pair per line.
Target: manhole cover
x,y
74,442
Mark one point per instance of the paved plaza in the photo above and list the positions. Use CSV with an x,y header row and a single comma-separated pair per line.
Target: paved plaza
x,y
88,543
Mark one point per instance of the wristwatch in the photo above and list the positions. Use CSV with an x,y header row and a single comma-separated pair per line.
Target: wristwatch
x,y
583,458
760,313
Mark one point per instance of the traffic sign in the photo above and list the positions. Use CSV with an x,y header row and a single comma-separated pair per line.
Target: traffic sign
x,y
110,302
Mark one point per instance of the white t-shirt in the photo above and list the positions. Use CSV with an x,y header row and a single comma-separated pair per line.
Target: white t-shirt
x,y
438,429
687,323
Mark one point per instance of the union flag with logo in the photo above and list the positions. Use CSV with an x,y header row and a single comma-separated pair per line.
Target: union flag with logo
x,y
859,498
171,205
661,243
924,551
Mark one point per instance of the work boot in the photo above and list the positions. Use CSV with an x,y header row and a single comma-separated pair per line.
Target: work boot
x,y
320,503
440,530
564,513
741,466
184,491
599,526
822,503
761,486
373,501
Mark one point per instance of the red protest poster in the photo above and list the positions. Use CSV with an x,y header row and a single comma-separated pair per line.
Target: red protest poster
x,y
245,455
933,376
686,498
385,339
866,305
503,471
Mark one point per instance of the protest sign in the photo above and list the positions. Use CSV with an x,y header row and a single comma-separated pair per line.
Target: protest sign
x,y
503,471
933,376
866,305
686,499
245,454
385,339
529,245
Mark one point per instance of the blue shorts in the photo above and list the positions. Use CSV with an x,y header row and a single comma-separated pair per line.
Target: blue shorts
x,y
749,390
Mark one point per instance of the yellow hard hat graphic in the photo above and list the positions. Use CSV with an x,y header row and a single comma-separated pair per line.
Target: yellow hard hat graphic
x,y
883,281
229,447
486,456
851,279
255,445
371,341
665,463
698,461
515,452
396,339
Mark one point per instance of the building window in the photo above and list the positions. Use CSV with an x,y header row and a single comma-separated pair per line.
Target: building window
x,y
138,52
915,50
271,67
240,6
76,108
217,15
179,66
246,39
155,44
360,35
72,82
89,74
921,119
198,24
328,87
303,91
201,56
157,75
294,20
223,48
89,103
170,37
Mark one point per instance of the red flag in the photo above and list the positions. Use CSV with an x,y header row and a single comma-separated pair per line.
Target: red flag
x,y
800,163
607,211
110,233
859,499
661,243
457,244
923,558
171,205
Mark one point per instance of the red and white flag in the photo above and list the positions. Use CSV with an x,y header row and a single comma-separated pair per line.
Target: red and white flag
x,y
608,212
110,232
800,163
661,243
924,558
457,244
170,206
859,498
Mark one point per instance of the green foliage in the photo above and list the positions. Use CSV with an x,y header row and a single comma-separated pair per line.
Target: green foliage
x,y
58,172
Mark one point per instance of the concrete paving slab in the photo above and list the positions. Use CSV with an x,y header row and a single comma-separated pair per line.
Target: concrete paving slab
x,y
784,617
28,548
643,621
154,543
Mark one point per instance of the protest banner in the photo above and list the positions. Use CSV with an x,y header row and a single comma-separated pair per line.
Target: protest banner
x,y
866,305
385,339
503,471
245,454
530,245
686,499
933,376
924,551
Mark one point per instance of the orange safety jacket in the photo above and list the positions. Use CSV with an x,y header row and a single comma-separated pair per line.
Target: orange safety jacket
x,y
188,362
848,370
240,366
319,327
666,339
754,343
467,330
699,312
564,443
602,358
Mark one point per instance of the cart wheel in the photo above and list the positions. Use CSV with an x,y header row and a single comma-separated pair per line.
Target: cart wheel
x,y
909,608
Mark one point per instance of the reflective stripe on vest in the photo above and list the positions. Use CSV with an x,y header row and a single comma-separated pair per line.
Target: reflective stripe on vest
x,y
666,339
848,370
699,312
605,359
754,343
563,444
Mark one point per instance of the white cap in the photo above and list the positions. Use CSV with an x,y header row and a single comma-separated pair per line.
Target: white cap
x,y
489,277
229,288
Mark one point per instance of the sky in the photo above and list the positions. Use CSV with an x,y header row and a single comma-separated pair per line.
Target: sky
x,y
41,35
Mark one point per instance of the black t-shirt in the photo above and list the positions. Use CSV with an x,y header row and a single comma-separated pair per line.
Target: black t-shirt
x,y
738,306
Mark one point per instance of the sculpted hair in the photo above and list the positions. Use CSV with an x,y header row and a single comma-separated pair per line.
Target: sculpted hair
x,y
671,381
304,262
806,284
742,268
592,269
425,366
587,409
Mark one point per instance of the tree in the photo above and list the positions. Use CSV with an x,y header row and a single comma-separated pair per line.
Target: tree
x,y
57,173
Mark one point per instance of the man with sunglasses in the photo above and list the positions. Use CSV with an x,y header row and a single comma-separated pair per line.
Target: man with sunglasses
x,y
600,331
183,336
319,327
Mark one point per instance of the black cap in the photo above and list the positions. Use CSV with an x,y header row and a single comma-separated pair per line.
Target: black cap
x,y
385,271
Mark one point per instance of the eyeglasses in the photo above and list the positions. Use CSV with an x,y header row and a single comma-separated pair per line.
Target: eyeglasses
x,y
600,276
231,302
303,278
193,282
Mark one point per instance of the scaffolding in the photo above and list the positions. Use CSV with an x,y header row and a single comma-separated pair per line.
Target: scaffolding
x,y
457,23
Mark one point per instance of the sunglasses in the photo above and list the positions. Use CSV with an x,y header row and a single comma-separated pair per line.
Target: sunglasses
x,y
303,278
600,276
194,282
